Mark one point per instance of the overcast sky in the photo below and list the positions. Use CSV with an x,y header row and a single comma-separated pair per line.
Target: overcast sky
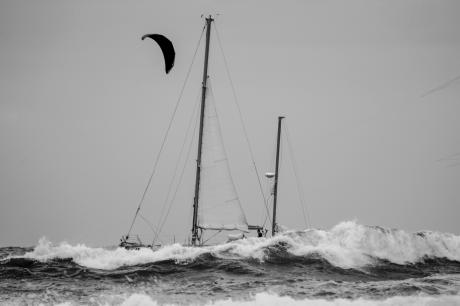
x,y
84,104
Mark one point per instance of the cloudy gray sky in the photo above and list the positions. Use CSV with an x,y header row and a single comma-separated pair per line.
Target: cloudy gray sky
x,y
84,104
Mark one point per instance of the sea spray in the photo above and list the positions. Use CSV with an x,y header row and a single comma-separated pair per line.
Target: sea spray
x,y
108,259
271,299
350,264
347,245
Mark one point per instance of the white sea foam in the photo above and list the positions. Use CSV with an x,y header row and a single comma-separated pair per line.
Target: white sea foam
x,y
101,258
347,245
271,299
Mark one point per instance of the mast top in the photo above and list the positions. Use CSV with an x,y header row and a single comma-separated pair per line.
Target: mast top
x,y
209,18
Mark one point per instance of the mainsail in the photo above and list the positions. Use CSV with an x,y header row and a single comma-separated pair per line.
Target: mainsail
x,y
219,206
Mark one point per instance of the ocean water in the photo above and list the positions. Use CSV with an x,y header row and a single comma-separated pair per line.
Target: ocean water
x,y
350,264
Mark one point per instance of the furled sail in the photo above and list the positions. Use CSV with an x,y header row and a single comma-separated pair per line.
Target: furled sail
x,y
219,206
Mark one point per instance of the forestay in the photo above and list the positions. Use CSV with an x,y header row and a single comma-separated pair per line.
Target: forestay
x,y
219,206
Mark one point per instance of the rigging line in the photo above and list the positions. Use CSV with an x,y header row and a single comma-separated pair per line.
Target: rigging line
x,y
189,125
241,117
166,134
150,225
179,183
267,203
453,165
454,156
267,216
212,236
219,129
180,177
441,87
270,184
305,213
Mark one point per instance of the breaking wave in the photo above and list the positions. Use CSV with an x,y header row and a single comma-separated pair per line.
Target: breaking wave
x,y
268,299
347,245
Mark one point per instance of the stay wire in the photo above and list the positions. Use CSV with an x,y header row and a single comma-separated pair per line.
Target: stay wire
x,y
180,179
166,134
270,185
241,118
176,168
150,225
187,156
219,129
217,233
306,215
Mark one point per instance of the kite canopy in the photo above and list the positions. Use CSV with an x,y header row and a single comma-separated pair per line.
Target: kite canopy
x,y
166,47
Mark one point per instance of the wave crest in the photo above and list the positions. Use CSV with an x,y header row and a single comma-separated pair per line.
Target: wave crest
x,y
268,299
346,245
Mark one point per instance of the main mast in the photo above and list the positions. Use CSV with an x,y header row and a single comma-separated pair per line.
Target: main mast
x,y
195,236
275,187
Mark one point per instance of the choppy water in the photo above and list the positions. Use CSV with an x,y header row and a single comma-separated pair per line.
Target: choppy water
x,y
350,264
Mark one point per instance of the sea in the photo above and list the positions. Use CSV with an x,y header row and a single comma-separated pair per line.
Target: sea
x,y
349,264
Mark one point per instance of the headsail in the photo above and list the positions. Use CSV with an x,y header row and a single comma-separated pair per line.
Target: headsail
x,y
220,207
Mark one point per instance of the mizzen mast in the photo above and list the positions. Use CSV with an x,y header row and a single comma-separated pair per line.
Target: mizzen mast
x,y
195,235
275,186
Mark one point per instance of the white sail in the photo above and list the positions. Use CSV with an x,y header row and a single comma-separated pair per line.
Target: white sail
x,y
219,207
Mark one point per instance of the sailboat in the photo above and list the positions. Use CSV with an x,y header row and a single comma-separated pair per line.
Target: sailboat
x,y
216,205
